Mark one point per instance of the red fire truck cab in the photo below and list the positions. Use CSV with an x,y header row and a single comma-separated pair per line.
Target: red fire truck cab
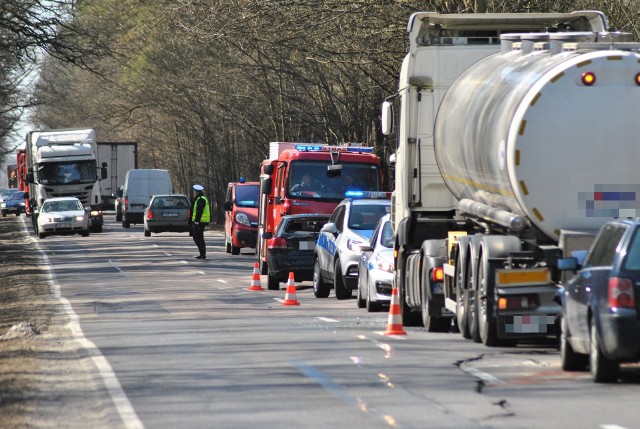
x,y
309,178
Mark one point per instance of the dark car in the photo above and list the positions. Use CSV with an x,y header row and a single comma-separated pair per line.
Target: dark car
x,y
14,203
600,317
167,213
291,248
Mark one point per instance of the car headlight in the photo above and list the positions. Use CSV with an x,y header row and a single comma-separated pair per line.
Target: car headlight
x,y
95,213
45,219
354,245
80,218
243,219
3,205
384,265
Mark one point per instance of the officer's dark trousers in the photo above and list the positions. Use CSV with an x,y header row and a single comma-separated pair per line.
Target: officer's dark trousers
x,y
198,238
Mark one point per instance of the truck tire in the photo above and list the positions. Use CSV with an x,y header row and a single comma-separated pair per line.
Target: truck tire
x,y
320,288
338,282
571,361
472,305
431,323
603,369
409,317
461,292
487,324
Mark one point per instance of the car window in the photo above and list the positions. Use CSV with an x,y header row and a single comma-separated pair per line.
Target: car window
x,y
603,251
340,219
170,203
632,260
304,225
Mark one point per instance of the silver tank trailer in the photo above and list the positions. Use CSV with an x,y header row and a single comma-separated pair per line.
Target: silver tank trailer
x,y
520,138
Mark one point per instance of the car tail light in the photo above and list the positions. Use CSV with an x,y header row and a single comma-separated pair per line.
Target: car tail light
x,y
437,274
126,203
189,214
150,214
621,293
277,243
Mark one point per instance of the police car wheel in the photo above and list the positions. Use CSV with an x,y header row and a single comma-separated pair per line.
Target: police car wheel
x,y
320,288
339,284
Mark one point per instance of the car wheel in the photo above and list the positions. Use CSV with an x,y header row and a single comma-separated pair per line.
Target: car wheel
x,y
272,282
235,250
571,361
603,369
320,288
338,282
147,233
125,224
360,301
40,234
85,233
4,214
119,217
372,307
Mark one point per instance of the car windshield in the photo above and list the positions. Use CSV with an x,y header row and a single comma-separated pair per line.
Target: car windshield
x,y
15,196
366,217
309,180
61,206
387,235
170,202
247,196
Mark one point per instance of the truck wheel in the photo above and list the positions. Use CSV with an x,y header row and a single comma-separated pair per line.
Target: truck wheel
x,y
338,282
272,282
360,300
320,288
471,305
487,324
461,293
571,361
603,369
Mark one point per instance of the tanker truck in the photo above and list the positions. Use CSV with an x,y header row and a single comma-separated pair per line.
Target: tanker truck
x,y
516,141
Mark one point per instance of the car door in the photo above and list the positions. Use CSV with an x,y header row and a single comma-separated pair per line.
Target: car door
x,y
594,274
326,246
365,259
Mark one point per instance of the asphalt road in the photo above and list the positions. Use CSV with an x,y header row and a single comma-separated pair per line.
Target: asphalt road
x,y
183,343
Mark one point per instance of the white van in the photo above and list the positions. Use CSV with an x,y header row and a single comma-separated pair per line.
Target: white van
x,y
139,186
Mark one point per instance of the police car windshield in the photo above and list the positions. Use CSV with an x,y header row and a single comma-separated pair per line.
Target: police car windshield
x,y
366,217
316,184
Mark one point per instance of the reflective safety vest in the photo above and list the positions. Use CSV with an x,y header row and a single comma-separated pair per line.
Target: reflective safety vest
x,y
206,212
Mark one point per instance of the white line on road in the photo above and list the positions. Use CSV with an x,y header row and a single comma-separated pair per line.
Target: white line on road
x,y
120,401
113,264
222,281
183,261
202,272
489,380
607,426
326,319
168,254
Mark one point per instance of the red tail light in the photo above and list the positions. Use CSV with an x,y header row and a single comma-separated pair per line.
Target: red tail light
x,y
277,243
149,214
437,274
621,293
188,214
126,203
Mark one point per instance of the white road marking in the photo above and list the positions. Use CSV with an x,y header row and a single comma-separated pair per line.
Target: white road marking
x,y
113,264
183,262
222,281
201,272
326,319
168,254
278,299
608,426
395,337
120,401
488,379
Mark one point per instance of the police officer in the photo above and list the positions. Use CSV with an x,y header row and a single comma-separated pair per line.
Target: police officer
x,y
200,218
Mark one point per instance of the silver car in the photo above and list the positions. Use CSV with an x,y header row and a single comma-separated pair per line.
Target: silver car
x,y
62,215
375,271
337,252
167,213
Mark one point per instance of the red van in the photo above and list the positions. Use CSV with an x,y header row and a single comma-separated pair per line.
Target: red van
x,y
241,223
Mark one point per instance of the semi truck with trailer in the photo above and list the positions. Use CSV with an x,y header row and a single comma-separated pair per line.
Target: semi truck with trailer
x,y
330,170
119,158
63,163
516,141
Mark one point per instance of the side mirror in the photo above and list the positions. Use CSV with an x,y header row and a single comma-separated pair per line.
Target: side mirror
x,y
266,186
228,205
365,248
568,264
386,120
330,227
29,177
268,169
267,235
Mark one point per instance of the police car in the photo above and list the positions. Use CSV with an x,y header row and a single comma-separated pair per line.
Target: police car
x,y
337,251
375,271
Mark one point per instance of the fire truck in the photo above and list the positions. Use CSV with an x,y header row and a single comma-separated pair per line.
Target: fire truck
x,y
310,178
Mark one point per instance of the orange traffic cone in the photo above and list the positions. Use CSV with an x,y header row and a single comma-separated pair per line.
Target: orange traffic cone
x,y
290,295
394,326
255,278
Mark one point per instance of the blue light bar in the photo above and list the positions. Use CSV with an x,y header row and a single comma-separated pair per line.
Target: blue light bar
x,y
354,194
367,194
360,149
308,148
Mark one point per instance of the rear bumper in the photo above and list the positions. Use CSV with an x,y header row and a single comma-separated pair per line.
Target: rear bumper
x,y
301,264
133,217
620,335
